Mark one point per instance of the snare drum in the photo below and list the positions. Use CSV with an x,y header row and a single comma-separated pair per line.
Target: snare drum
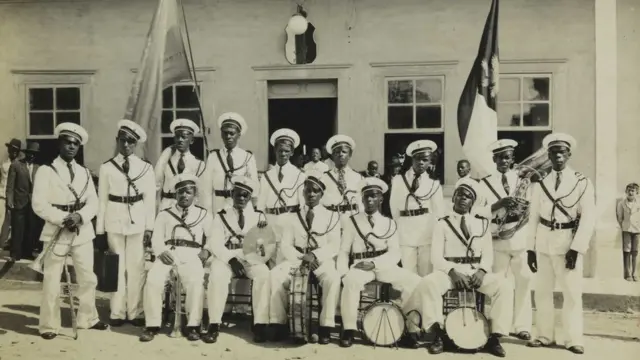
x,y
382,323
300,298
466,327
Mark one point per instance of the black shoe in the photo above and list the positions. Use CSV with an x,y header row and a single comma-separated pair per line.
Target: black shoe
x,y
280,332
212,334
535,344
494,347
409,341
136,322
149,333
347,338
324,335
437,346
193,333
48,335
116,322
99,326
259,333
577,349
523,335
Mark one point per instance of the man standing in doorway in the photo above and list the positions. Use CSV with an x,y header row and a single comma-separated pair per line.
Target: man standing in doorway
x,y
13,150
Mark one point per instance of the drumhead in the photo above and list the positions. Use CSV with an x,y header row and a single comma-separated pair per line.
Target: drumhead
x,y
383,324
467,328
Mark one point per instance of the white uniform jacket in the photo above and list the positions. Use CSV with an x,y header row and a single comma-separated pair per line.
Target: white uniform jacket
x,y
218,175
325,232
119,217
52,191
447,244
317,166
167,167
576,196
382,237
290,190
198,228
349,201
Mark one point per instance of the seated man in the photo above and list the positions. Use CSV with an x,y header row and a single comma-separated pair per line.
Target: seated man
x,y
229,227
313,240
178,236
462,257
371,242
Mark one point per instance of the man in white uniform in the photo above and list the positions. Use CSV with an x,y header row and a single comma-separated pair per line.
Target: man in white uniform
x,y
281,187
311,239
462,257
229,227
177,159
178,237
371,245
126,191
416,203
562,219
65,198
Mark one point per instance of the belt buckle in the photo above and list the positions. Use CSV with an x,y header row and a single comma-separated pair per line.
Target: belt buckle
x,y
276,211
556,226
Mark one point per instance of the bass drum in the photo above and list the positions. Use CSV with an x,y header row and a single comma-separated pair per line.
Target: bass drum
x,y
467,328
382,323
300,304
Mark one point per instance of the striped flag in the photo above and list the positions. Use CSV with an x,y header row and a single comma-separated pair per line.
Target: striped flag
x,y
164,62
477,117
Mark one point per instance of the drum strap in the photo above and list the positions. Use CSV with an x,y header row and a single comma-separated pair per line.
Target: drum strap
x,y
310,240
411,193
367,244
335,181
184,224
493,190
467,244
273,188
555,202
226,224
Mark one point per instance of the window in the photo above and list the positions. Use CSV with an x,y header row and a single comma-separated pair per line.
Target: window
x,y
47,107
414,112
525,111
180,101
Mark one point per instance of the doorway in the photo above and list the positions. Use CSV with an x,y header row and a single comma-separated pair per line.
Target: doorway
x,y
307,107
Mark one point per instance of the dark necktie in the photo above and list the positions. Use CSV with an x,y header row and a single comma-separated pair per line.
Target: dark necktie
x,y
230,161
185,212
342,183
309,218
370,219
505,184
464,228
558,180
416,183
181,165
125,165
280,175
241,218
71,173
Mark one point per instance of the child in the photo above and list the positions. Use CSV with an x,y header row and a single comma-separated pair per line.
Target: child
x,y
628,214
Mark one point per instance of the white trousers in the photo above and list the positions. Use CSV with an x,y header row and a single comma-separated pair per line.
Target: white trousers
x,y
127,300
218,290
329,280
354,281
513,266
551,268
435,285
417,259
191,274
82,257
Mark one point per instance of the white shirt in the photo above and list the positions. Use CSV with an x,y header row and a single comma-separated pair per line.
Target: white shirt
x,y
4,174
316,166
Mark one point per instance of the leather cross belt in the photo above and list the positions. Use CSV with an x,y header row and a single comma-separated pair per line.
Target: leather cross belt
x,y
554,225
125,199
70,208
464,260
342,208
183,243
222,193
305,250
282,210
367,254
414,212
167,195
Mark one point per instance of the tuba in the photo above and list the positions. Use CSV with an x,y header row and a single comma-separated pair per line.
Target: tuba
x,y
532,169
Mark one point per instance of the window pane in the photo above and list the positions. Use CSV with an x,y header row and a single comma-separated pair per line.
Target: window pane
x,y
72,117
167,98
508,114
509,89
41,99
193,115
167,118
400,92
186,97
41,123
428,117
68,98
428,91
400,117
536,89
528,142
536,115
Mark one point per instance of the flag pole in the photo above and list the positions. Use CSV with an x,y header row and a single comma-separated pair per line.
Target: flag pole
x,y
195,80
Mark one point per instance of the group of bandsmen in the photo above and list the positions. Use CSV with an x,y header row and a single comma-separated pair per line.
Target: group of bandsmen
x,y
328,221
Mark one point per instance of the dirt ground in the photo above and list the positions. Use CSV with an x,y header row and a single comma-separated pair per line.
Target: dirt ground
x,y
607,334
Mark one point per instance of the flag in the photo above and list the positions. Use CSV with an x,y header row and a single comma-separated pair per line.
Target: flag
x,y
164,62
477,117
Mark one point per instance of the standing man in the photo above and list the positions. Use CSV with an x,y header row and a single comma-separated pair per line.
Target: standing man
x,y
510,256
229,161
177,159
561,223
65,198
19,190
13,150
281,187
126,213
416,203
316,163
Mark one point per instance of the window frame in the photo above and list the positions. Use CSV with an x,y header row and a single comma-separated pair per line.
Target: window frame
x,y
551,103
174,109
54,86
415,104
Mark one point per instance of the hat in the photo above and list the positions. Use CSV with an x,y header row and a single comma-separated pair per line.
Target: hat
x,y
373,184
244,183
285,135
339,140
420,146
233,119
559,139
503,145
73,130
183,180
32,146
184,124
15,143
132,129
468,184
315,177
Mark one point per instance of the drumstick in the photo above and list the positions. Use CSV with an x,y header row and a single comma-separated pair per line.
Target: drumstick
x,y
475,299
384,312
464,301
390,327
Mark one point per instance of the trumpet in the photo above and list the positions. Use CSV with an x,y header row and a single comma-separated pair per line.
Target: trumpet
x,y
176,332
